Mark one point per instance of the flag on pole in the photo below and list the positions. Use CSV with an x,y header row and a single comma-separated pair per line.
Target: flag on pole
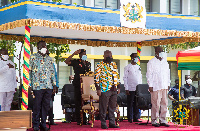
x,y
133,13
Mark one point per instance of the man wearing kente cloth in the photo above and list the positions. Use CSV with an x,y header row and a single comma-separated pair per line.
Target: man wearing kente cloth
x,y
107,82
80,66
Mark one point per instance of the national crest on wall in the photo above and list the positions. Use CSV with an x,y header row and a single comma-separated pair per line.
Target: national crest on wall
x,y
133,12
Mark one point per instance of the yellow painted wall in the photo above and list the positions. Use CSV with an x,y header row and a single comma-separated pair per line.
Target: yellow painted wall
x,y
119,57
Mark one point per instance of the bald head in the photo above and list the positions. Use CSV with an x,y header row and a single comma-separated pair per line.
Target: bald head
x,y
107,51
3,52
158,49
107,56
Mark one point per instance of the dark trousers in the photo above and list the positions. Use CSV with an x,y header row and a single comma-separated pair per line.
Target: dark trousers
x,y
132,110
77,98
50,112
41,103
107,99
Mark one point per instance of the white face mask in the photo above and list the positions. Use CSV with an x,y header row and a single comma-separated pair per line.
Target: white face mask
x,y
136,60
161,54
43,50
5,57
189,81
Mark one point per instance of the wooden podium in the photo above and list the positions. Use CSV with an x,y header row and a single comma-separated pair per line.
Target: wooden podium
x,y
16,119
193,117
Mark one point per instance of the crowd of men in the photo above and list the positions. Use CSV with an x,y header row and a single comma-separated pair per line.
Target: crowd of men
x,y
43,85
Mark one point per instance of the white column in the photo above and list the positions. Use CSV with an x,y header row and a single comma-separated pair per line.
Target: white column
x,y
186,7
123,63
16,53
163,6
124,51
89,3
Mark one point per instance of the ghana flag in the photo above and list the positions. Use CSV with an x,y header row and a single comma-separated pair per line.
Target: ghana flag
x,y
189,59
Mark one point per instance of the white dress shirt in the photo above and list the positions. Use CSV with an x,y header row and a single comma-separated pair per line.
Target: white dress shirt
x,y
132,77
7,76
158,74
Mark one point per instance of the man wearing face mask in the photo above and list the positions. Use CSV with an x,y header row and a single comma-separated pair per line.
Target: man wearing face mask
x,y
42,81
8,82
174,96
187,89
107,83
80,66
132,77
158,79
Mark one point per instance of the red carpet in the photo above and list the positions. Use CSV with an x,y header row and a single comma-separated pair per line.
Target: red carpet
x,y
124,126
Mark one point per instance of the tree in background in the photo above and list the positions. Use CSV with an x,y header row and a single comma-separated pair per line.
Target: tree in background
x,y
12,46
185,46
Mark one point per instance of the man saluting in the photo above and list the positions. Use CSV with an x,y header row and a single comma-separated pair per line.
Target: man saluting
x,y
80,66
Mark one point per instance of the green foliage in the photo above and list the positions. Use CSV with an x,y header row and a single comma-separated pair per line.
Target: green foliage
x,y
53,48
9,45
57,1
184,46
56,49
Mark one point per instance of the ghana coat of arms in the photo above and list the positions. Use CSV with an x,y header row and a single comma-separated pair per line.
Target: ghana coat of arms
x,y
133,13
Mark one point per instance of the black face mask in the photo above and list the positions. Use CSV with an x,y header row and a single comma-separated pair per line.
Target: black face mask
x,y
109,59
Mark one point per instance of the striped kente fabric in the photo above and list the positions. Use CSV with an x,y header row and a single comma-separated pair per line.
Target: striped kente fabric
x,y
106,75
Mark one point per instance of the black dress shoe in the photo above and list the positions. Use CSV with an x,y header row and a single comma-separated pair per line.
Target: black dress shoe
x,y
66,121
78,123
130,121
113,126
53,124
104,127
136,120
156,125
86,123
36,128
44,129
164,124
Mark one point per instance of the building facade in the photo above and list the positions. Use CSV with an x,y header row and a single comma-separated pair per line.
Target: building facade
x,y
185,7
121,54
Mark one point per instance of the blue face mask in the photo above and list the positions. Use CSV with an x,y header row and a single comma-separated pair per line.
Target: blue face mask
x,y
84,57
